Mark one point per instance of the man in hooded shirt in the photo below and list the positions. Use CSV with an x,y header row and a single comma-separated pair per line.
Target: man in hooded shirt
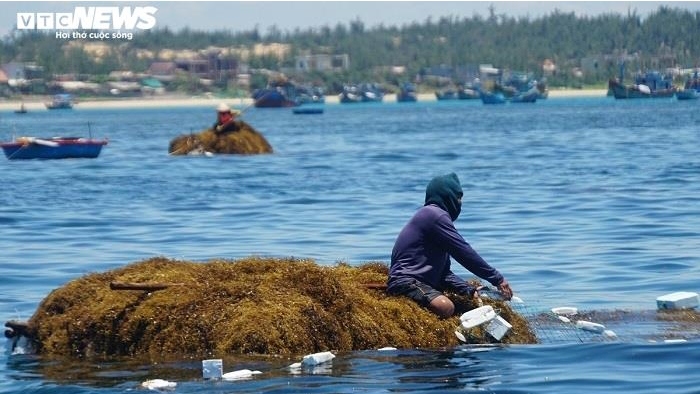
x,y
420,260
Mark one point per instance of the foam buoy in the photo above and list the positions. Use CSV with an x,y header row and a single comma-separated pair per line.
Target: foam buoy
x,y
590,326
317,358
240,374
678,300
158,384
498,327
212,369
565,310
478,316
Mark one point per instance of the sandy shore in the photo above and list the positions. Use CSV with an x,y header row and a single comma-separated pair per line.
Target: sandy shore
x,y
36,104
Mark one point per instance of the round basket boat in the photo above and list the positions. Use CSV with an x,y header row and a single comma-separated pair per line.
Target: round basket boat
x,y
245,141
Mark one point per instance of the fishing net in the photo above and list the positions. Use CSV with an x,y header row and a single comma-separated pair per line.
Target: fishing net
x,y
608,325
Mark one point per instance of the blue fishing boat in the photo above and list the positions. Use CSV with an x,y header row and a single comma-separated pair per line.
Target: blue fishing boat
x,y
521,86
687,94
659,89
24,148
691,89
407,93
278,94
651,84
492,97
310,95
448,94
307,111
526,97
363,93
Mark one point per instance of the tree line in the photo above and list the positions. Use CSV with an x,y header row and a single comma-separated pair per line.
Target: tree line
x,y
666,37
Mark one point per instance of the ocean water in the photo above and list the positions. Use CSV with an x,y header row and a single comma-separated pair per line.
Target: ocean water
x,y
585,202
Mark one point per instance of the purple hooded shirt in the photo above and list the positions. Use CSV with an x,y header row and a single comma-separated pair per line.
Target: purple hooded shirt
x,y
424,246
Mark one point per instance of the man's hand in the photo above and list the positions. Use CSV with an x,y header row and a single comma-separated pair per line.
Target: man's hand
x,y
504,288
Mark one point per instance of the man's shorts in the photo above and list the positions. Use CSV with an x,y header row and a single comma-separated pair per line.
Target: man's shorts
x,y
419,292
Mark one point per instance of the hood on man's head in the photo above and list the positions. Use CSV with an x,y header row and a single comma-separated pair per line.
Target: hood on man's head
x,y
445,192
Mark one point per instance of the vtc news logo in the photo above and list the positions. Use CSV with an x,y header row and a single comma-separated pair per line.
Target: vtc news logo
x,y
111,18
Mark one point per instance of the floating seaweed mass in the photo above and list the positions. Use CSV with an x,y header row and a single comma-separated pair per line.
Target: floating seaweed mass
x,y
160,308
246,140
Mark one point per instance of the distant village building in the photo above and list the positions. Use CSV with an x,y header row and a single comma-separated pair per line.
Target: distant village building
x,y
145,54
20,76
397,70
548,67
306,63
441,74
197,67
98,50
22,71
123,75
280,51
4,87
163,71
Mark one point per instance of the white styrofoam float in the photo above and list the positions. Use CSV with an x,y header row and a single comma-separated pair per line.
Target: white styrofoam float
x,y
678,300
565,310
590,326
460,336
241,374
317,358
158,384
478,316
212,369
564,319
498,327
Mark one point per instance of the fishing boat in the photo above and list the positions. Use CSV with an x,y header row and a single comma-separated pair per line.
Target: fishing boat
x,y
468,93
691,89
407,93
307,110
687,94
311,95
61,101
448,94
279,93
461,93
522,86
530,96
621,91
492,97
363,93
651,84
52,148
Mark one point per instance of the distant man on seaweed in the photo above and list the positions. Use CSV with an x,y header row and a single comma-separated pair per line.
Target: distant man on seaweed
x,y
225,119
420,260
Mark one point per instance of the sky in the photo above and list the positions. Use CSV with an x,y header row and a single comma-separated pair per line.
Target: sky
x,y
288,15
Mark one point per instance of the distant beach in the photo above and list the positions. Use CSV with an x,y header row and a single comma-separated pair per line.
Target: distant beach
x,y
35,104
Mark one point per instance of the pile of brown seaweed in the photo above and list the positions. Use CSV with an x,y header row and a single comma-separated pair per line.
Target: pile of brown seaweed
x,y
246,140
161,307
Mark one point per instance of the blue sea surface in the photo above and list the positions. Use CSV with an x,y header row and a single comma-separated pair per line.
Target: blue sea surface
x,y
586,202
